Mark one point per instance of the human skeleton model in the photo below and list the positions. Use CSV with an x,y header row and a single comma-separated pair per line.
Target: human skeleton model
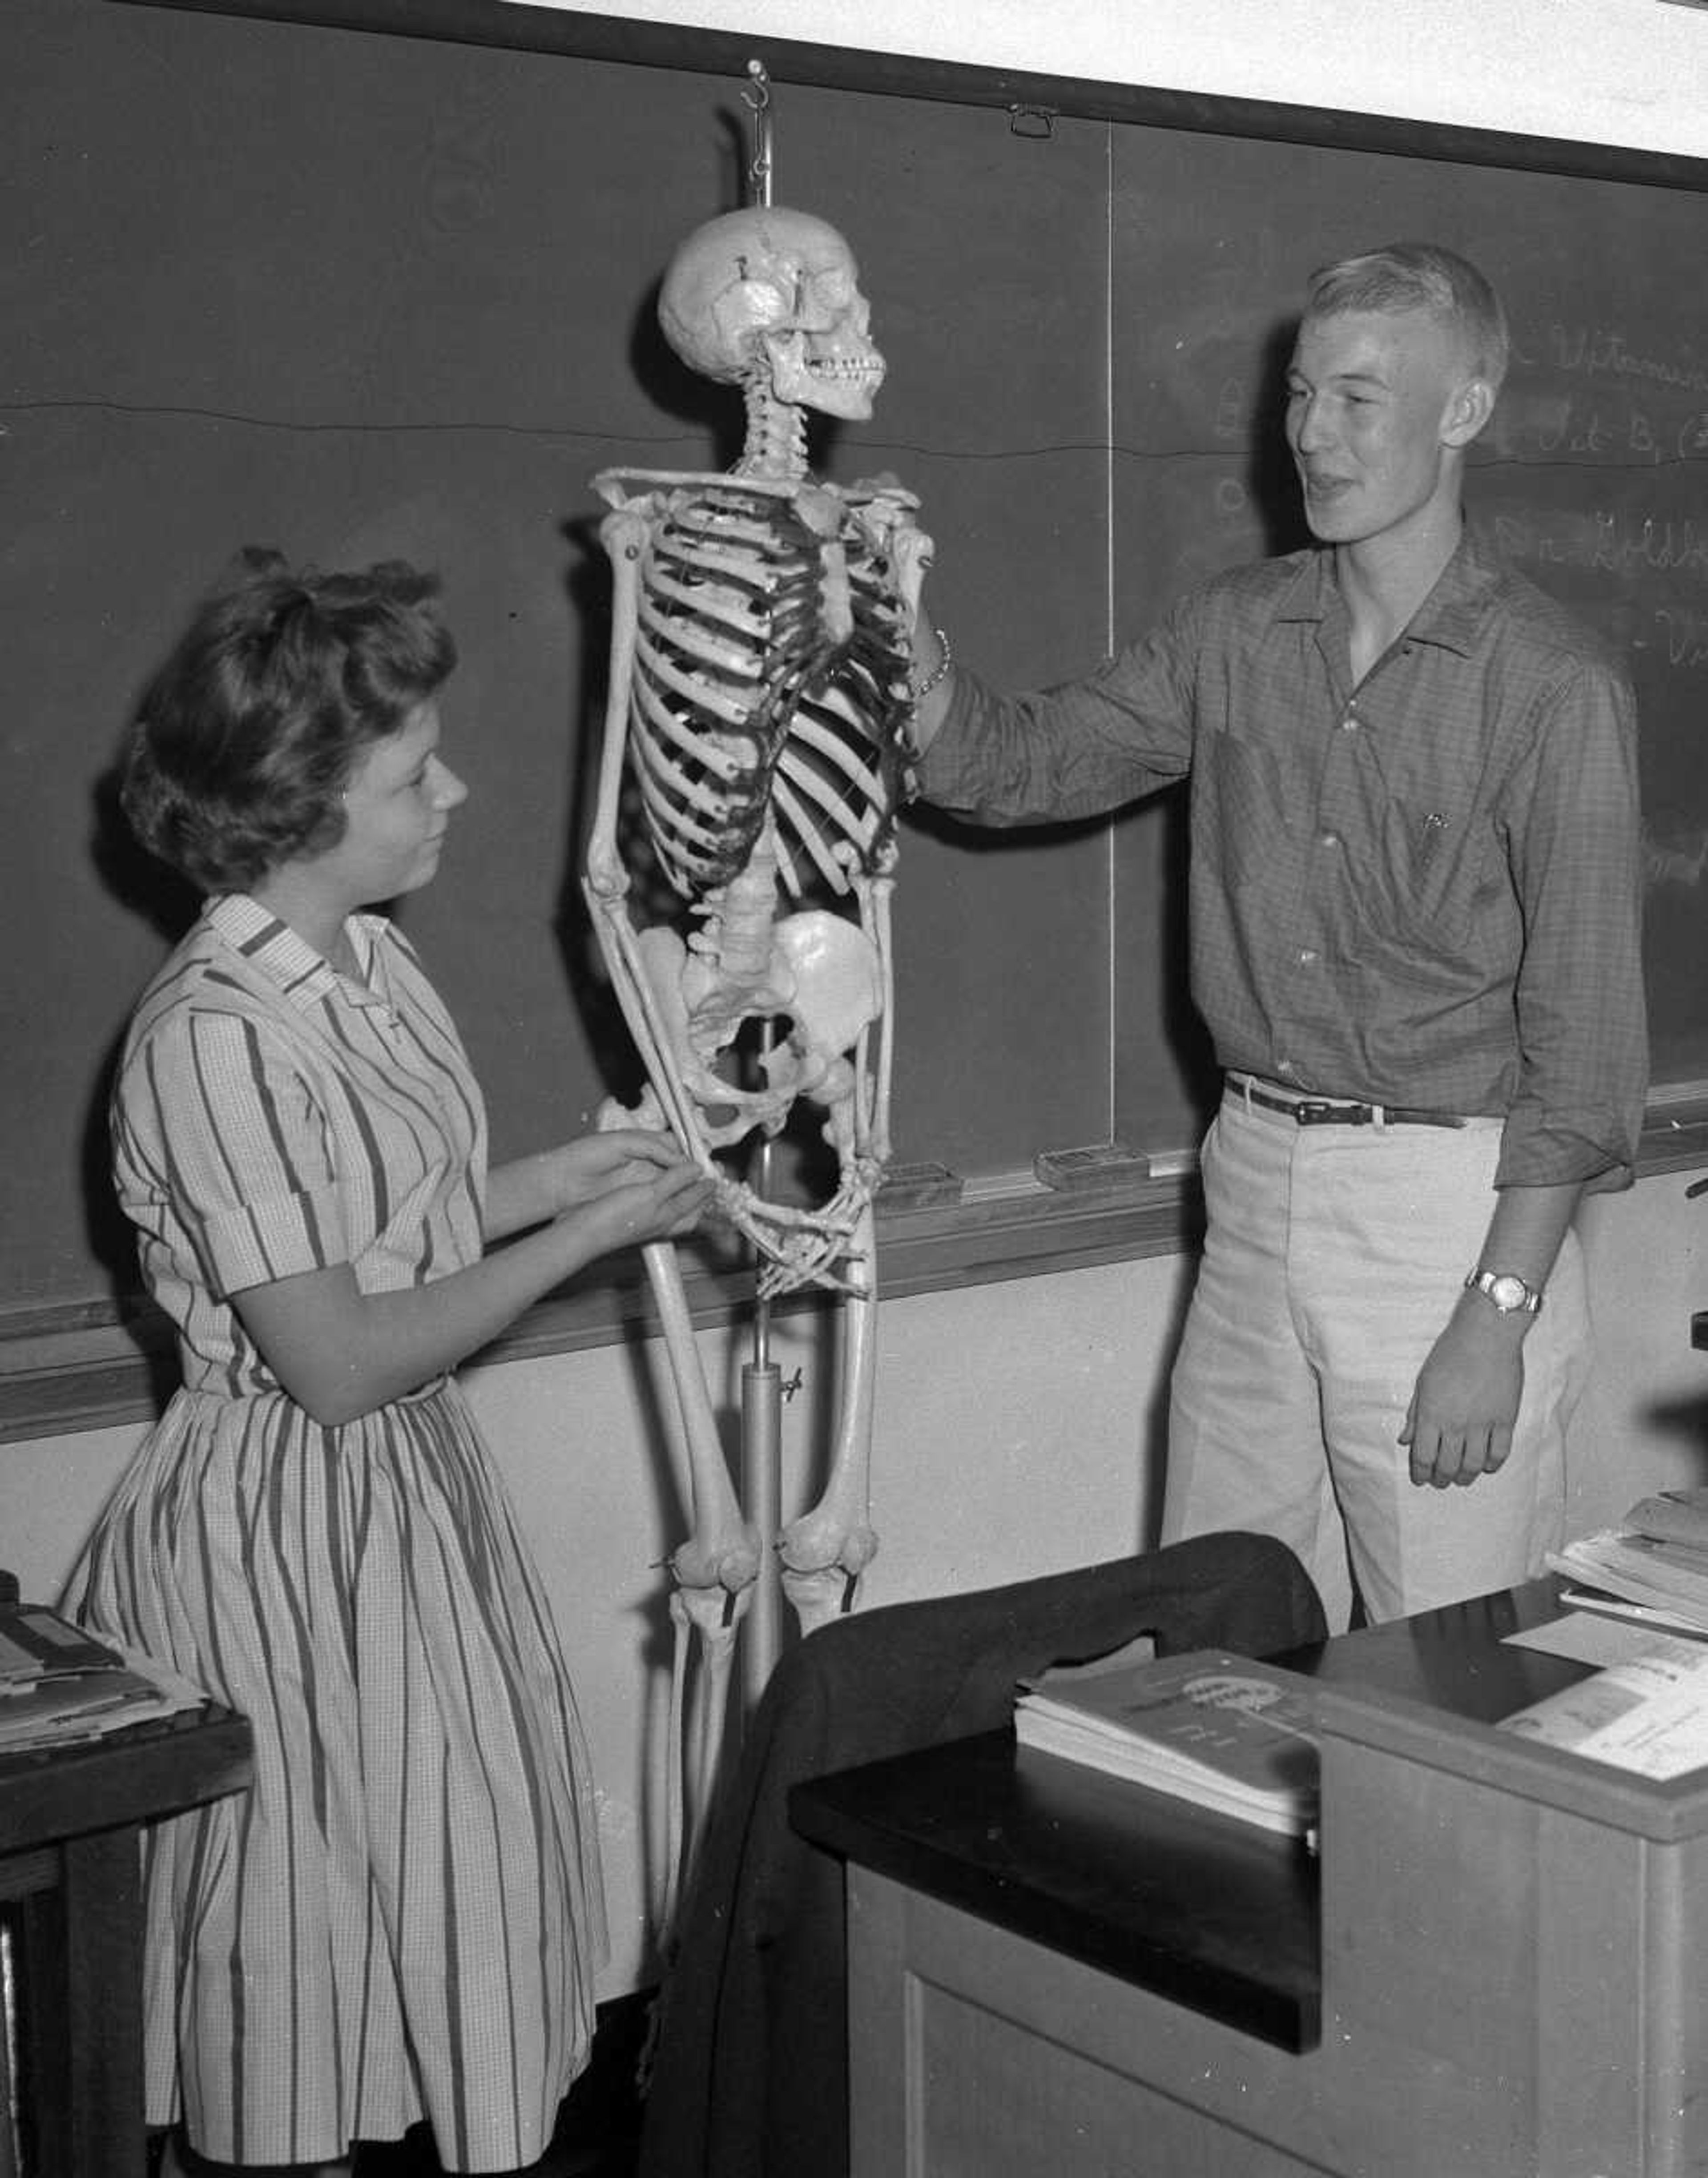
x,y
760,699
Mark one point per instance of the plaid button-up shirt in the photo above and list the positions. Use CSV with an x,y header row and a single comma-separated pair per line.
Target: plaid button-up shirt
x,y
1422,890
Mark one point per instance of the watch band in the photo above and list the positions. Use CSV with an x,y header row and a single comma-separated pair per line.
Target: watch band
x,y
1510,1294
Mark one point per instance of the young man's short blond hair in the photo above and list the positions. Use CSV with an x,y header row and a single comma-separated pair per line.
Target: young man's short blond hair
x,y
1420,275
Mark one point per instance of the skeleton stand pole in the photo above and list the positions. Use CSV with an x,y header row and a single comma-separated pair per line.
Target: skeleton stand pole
x,y
762,1490
762,1407
762,1383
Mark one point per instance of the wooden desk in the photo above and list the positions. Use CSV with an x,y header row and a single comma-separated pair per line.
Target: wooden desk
x,y
70,1820
1498,1969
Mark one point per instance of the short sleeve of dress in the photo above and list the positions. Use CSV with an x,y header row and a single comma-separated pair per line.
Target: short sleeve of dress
x,y
227,1117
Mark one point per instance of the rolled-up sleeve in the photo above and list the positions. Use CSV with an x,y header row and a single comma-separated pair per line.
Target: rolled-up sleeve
x,y
1575,847
225,1118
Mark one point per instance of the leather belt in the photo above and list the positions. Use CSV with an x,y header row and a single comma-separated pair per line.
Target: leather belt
x,y
1333,1111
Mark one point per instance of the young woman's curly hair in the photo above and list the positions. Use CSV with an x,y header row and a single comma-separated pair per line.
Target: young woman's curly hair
x,y
248,735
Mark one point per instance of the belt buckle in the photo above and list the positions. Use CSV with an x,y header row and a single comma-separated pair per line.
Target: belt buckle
x,y
1317,1111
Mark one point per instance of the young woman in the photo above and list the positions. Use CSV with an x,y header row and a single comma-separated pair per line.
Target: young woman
x,y
402,1917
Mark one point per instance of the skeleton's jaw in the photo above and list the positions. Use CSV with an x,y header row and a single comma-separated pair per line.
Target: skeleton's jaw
x,y
835,385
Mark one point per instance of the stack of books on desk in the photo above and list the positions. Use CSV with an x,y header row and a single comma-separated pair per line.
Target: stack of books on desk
x,y
1654,1564
58,1684
1220,1731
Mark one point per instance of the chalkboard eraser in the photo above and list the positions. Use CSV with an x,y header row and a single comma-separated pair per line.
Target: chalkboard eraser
x,y
916,1186
1102,1164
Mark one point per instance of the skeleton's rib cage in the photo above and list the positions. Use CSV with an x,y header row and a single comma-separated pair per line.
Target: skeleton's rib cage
x,y
769,678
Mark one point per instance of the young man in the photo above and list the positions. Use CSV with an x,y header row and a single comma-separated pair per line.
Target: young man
x,y
1415,899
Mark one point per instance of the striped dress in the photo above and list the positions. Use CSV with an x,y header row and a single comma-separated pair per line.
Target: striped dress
x,y
402,1917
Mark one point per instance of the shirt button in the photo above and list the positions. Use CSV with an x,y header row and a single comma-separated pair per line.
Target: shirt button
x,y
1329,838
1308,955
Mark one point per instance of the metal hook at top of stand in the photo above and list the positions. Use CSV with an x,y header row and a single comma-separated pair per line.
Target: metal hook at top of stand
x,y
756,98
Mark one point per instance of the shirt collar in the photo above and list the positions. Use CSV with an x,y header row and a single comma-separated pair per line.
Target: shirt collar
x,y
1452,616
305,976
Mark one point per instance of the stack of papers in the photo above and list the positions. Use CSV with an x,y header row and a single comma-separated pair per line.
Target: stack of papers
x,y
58,1684
1656,1562
1649,1714
1221,1731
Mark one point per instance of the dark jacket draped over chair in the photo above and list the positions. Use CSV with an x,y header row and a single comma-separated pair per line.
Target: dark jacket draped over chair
x,y
750,2074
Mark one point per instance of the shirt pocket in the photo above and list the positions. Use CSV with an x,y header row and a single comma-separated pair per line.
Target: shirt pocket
x,y
1433,858
1238,815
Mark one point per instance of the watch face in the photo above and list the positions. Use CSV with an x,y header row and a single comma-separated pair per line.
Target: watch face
x,y
1507,1292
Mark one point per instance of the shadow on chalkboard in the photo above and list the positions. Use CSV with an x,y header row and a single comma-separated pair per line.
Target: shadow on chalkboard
x,y
1270,477
169,904
137,879
587,584
1182,1024
718,411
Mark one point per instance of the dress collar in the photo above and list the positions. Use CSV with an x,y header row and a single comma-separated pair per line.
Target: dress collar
x,y
305,976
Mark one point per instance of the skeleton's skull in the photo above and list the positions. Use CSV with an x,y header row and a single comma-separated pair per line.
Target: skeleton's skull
x,y
777,293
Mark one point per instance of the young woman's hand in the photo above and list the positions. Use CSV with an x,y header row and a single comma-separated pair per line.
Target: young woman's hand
x,y
582,1170
641,1199
533,1190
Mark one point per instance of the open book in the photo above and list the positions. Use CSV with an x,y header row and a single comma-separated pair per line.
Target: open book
x,y
1222,1731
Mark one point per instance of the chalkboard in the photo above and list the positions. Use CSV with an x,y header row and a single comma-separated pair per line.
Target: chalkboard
x,y
359,296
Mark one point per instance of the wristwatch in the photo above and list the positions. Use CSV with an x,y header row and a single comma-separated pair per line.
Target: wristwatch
x,y
1506,1290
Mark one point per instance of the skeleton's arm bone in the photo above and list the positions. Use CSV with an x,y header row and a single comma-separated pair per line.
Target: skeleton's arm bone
x,y
629,978
875,899
624,537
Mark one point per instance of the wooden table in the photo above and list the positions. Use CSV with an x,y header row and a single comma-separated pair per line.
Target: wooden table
x,y
70,1823
1497,1969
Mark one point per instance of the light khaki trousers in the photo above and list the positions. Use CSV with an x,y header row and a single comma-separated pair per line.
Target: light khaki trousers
x,y
1333,1257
